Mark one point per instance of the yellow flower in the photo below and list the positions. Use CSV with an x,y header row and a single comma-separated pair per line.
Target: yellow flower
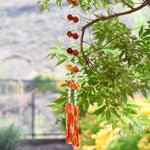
x,y
88,147
144,143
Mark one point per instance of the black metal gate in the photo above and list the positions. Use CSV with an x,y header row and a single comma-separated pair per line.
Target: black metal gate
x,y
23,103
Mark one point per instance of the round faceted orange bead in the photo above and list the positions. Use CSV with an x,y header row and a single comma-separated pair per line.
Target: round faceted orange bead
x,y
69,83
75,53
69,34
75,3
69,17
75,69
75,19
69,50
69,67
75,36
70,1
75,86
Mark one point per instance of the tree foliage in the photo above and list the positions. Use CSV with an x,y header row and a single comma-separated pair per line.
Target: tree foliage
x,y
114,61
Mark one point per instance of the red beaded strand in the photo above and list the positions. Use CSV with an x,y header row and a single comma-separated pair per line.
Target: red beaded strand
x,y
72,113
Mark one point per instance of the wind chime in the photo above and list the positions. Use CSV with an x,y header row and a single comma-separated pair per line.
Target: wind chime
x,y
72,110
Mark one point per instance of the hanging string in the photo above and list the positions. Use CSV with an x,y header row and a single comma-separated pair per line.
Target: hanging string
x,y
72,113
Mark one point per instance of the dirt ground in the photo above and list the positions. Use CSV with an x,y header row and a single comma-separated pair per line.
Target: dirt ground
x,y
55,146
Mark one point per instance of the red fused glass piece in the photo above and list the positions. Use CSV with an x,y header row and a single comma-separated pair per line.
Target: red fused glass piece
x,y
75,36
69,34
70,1
75,136
69,83
75,69
75,3
69,17
75,19
69,50
75,53
69,122
69,67
75,86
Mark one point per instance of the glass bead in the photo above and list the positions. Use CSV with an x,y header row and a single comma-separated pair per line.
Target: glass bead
x,y
69,50
70,1
75,69
75,53
69,67
75,36
75,19
70,17
69,34
75,3
74,86
69,83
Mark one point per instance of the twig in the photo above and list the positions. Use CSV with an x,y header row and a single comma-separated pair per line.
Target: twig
x,y
127,4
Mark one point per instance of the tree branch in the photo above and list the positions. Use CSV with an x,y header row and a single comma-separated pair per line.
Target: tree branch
x,y
102,19
148,2
127,4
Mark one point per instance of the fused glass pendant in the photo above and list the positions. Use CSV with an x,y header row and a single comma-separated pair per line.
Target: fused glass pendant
x,y
75,137
69,122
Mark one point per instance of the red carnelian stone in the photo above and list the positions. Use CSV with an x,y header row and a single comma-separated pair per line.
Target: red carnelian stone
x,y
74,86
75,19
69,67
75,36
70,1
75,3
69,17
75,53
69,50
75,69
69,83
69,34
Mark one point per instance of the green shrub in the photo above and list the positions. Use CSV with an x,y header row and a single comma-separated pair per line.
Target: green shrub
x,y
49,85
9,137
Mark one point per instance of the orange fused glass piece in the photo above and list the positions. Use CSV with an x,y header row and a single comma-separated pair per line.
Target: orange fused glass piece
x,y
69,83
69,67
75,69
75,86
75,136
70,1
75,3
69,122
69,34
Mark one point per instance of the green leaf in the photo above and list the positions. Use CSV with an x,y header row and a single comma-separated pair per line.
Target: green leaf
x,y
52,105
140,31
62,55
60,62
133,105
107,114
58,43
114,111
130,110
98,111
53,48
145,33
143,91
60,100
123,121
